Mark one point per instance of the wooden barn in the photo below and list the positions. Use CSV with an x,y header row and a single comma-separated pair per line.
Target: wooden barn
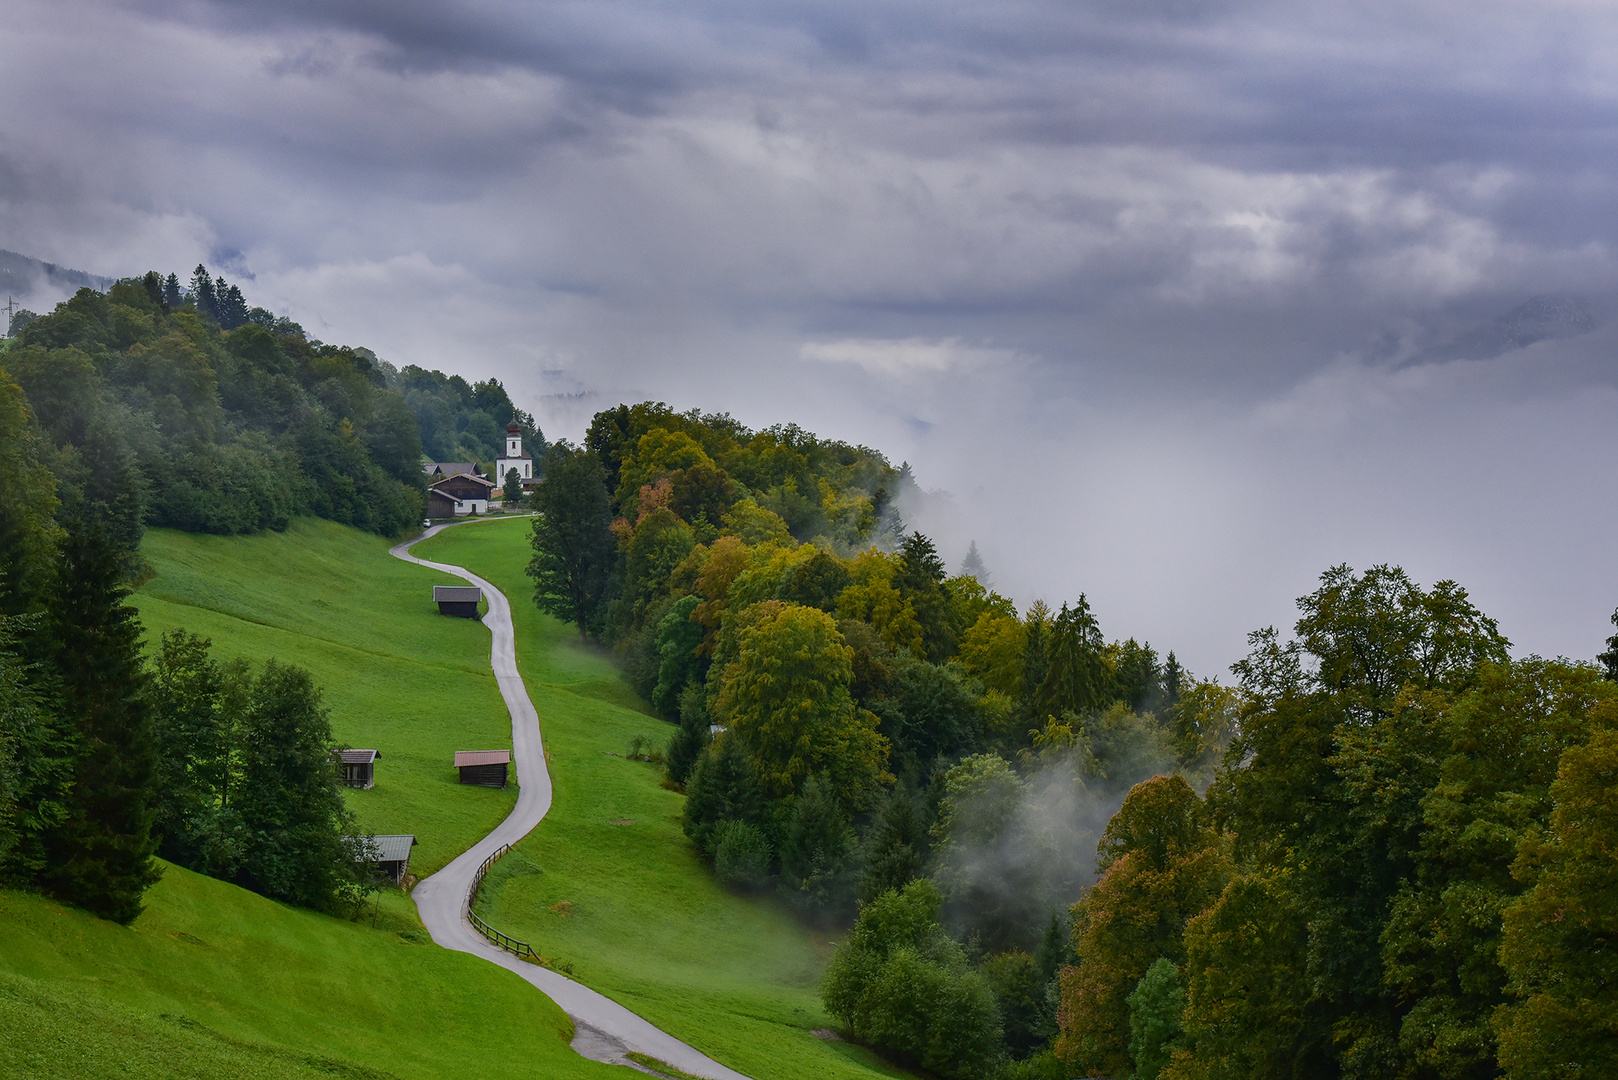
x,y
358,767
485,768
461,494
393,855
459,600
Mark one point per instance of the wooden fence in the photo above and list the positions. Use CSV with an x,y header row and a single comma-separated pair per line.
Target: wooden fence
x,y
505,941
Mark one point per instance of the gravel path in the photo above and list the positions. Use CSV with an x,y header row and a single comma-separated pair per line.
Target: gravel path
x,y
606,1030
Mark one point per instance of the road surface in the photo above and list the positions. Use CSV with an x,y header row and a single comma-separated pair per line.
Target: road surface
x,y
606,1030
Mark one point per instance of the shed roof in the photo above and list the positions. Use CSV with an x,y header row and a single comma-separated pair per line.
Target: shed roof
x,y
390,848
463,758
394,848
358,757
462,594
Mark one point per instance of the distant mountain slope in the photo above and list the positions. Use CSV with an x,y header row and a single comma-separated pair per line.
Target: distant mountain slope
x,y
1541,318
21,275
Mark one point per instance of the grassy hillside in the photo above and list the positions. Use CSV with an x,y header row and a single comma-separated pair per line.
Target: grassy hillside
x,y
609,884
215,981
397,676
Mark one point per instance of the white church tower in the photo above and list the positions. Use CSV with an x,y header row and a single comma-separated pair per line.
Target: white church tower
x,y
515,458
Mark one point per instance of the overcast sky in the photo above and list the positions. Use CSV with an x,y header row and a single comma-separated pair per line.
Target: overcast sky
x,y
1180,302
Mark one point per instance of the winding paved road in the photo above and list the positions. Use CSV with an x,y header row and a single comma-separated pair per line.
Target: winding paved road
x,y
606,1030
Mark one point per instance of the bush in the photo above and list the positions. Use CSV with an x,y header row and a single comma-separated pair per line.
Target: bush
x,y
901,984
1155,1007
741,855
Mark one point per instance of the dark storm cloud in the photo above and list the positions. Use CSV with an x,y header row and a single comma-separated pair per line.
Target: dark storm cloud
x,y
1181,300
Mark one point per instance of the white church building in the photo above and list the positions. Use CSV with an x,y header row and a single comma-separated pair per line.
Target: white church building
x,y
515,458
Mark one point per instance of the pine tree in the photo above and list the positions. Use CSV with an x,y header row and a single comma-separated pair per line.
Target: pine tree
x,y
171,293
1609,659
202,293
99,857
232,305
1076,678
972,566
893,852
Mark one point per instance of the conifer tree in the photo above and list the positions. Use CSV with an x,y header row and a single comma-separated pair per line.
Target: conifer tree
x,y
894,849
202,293
99,857
972,566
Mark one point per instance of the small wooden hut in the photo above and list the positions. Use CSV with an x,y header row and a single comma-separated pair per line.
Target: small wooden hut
x,y
459,600
358,767
393,855
485,768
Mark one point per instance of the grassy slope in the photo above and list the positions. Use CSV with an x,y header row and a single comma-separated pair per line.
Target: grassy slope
x,y
214,981
397,676
645,923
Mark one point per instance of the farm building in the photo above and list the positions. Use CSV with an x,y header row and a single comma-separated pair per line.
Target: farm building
x,y
485,768
460,600
459,495
358,767
393,855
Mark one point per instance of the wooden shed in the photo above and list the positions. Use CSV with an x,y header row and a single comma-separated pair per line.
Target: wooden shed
x,y
460,600
393,855
358,767
486,768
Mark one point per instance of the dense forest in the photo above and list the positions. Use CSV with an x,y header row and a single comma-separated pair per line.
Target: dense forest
x,y
1382,851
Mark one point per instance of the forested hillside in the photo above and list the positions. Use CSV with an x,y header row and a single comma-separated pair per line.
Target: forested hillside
x,y
1370,856
184,407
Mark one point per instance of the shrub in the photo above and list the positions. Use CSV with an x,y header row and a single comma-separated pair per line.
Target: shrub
x,y
741,855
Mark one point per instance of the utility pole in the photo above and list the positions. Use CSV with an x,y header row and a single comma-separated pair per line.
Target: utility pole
x,y
11,309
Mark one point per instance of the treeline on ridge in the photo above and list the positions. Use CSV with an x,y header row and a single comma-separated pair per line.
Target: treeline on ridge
x,y
184,407
1378,854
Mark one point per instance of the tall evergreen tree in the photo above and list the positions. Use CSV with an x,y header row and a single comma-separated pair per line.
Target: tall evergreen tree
x,y
171,292
203,294
1609,659
895,847
99,857
920,580
972,566
1076,676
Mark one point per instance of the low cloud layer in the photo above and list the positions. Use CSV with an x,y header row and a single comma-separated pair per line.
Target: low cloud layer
x,y
1180,302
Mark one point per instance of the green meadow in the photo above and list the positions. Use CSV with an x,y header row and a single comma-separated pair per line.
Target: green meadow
x,y
398,677
609,886
215,981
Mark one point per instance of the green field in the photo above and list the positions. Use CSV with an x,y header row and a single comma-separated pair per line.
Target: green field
x,y
215,981
609,884
397,676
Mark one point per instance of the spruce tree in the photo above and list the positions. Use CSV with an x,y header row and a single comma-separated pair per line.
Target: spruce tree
x,y
893,850
99,856
202,293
